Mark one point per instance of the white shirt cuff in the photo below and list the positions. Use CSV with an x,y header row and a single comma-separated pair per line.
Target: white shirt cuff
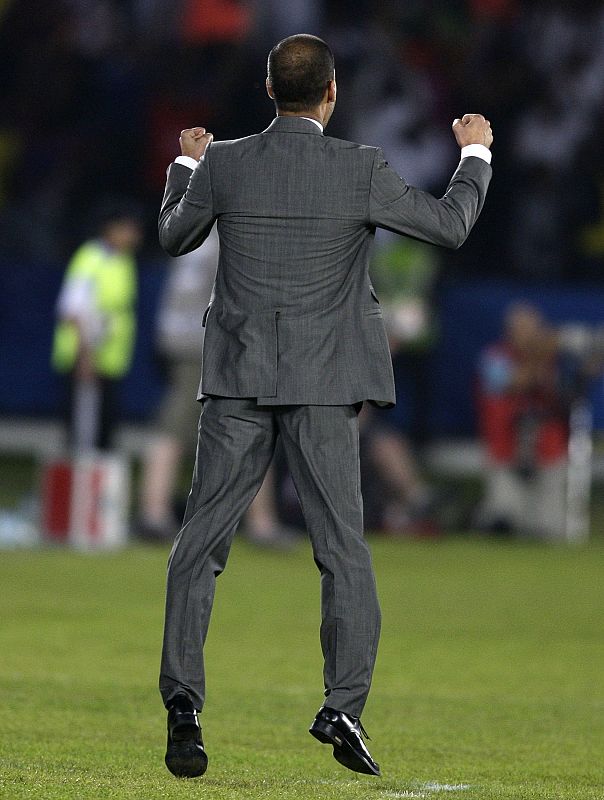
x,y
188,161
477,150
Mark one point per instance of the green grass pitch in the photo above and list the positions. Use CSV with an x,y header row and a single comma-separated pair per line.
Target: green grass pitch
x,y
489,681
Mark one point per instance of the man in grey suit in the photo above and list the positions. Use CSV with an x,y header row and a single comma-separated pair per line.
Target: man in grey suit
x,y
294,344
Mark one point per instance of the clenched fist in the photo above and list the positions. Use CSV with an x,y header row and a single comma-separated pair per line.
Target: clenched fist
x,y
194,141
473,129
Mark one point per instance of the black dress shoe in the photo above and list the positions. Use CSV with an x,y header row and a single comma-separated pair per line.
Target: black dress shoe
x,y
185,756
345,733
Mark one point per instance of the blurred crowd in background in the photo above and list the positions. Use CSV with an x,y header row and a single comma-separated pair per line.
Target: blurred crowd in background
x,y
95,92
93,98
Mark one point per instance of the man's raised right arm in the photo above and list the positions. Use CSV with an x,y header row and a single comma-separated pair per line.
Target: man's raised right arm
x,y
447,221
186,216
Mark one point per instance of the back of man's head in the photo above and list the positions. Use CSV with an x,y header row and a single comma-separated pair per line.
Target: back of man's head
x,y
299,69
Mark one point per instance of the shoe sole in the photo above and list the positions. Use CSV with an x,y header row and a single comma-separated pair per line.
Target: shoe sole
x,y
343,752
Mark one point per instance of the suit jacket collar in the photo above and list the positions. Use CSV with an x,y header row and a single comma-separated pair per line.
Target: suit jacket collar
x,y
293,125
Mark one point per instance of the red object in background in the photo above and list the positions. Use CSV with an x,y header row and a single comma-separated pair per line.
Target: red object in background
x,y
213,21
501,410
57,483
85,501
498,422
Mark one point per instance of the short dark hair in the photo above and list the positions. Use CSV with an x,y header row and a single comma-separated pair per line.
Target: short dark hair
x,y
299,69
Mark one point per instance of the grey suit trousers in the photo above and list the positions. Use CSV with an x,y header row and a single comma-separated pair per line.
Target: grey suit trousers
x,y
236,442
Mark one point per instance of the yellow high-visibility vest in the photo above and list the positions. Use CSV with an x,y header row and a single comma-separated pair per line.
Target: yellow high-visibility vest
x,y
113,277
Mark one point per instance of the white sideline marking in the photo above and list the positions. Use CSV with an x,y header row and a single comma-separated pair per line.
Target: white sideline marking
x,y
422,792
445,787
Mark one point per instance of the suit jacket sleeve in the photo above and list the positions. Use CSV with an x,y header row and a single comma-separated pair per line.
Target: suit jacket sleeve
x,y
187,213
401,208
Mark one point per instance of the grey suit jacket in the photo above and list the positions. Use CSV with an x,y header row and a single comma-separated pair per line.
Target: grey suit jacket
x,y
294,317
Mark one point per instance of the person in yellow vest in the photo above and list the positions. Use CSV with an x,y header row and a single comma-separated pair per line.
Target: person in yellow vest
x,y
95,332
